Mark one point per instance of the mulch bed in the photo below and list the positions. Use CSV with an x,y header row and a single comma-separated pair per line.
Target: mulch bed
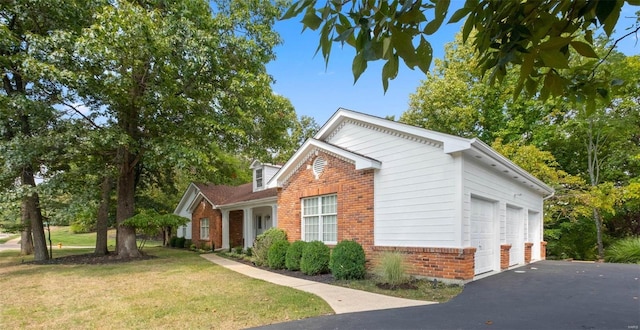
x,y
89,259
322,278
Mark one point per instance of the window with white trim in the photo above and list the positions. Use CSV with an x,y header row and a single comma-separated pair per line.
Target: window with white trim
x,y
259,178
204,228
320,219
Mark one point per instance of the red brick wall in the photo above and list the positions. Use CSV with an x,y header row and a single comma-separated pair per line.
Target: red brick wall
x,y
504,256
354,190
205,210
543,250
235,228
449,263
527,252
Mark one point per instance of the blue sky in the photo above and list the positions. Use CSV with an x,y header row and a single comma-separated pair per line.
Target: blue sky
x,y
318,91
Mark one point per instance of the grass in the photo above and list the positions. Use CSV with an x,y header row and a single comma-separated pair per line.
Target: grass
x,y
65,236
178,289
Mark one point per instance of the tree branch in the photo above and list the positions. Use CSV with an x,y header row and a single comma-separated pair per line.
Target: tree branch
x,y
83,115
593,72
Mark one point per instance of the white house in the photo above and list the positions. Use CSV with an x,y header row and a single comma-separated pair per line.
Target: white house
x,y
454,207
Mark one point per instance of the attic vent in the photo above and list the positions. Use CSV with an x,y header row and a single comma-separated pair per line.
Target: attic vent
x,y
318,166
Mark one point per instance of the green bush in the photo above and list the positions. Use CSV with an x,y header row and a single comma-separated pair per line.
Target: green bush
x,y
238,249
187,243
264,241
249,252
294,254
180,242
391,269
624,251
172,241
277,254
315,258
347,261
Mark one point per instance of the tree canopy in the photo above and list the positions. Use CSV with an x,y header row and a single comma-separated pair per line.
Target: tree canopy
x,y
538,37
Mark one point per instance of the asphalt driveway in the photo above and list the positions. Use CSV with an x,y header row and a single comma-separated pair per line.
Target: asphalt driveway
x,y
543,295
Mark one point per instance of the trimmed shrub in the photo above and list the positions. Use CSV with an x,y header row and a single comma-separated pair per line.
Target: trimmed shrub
x,y
624,251
391,269
277,254
315,258
264,241
180,242
294,254
172,241
347,261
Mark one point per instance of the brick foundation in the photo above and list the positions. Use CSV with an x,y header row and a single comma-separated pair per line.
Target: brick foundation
x,y
504,256
447,263
527,252
205,210
543,250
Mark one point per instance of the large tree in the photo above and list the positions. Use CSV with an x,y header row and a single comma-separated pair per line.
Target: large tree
x,y
174,81
27,98
537,36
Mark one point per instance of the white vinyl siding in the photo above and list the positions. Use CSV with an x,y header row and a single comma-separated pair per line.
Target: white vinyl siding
x,y
319,219
204,228
414,191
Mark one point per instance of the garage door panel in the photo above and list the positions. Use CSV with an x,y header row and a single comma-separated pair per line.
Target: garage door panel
x,y
482,234
515,235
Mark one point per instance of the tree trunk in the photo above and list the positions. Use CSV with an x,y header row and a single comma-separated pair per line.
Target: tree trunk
x,y
32,218
26,240
126,240
166,235
598,219
103,217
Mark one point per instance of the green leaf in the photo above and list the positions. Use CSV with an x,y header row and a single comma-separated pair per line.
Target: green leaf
x,y
466,29
389,71
358,66
401,41
459,14
425,54
584,49
554,59
311,20
554,43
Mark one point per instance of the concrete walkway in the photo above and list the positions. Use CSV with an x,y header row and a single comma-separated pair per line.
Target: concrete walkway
x,y
342,300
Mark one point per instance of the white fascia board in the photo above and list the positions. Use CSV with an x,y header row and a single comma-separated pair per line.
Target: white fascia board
x,y
361,162
184,200
251,203
451,143
255,164
489,152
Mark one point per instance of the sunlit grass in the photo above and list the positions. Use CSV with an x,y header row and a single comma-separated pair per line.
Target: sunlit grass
x,y
178,289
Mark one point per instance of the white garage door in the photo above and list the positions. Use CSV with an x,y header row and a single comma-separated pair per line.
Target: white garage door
x,y
482,234
515,235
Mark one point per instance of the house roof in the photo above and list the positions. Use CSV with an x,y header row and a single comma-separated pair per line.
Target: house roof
x,y
450,144
221,195
361,162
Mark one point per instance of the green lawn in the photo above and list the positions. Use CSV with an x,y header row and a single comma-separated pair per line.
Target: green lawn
x,y
65,236
178,289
